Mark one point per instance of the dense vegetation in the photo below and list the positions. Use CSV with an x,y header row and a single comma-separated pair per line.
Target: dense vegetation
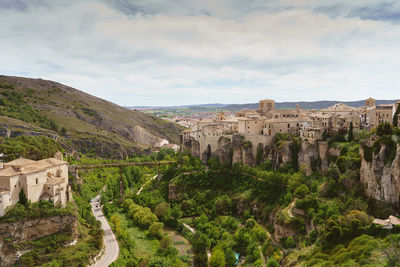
x,y
13,104
30,147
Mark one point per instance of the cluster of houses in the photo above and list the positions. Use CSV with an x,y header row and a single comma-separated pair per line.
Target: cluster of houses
x,y
266,122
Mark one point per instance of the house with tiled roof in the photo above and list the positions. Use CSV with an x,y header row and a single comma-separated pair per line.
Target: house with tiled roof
x,y
45,179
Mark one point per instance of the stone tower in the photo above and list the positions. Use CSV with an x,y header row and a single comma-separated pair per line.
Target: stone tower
x,y
267,105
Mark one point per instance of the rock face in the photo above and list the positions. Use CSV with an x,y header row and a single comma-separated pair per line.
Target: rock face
x,y
239,150
381,181
15,232
193,146
282,155
224,151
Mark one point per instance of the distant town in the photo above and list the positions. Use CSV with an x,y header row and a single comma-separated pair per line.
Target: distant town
x,y
262,124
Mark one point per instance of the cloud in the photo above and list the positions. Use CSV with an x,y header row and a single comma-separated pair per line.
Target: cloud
x,y
157,52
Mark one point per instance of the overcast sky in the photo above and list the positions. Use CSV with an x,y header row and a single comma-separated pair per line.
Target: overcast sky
x,y
160,52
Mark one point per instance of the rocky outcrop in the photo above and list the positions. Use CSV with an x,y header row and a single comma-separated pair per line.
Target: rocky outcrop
x,y
381,181
224,150
20,231
206,155
193,146
282,155
236,149
139,135
307,154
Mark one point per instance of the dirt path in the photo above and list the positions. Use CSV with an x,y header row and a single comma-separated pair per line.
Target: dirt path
x,y
140,190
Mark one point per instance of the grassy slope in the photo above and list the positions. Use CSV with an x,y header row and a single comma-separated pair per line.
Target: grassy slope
x,y
85,116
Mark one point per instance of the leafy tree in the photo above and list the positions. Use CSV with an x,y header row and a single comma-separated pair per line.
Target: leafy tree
x,y
155,230
272,262
217,258
200,245
165,242
23,200
200,242
159,262
176,212
384,128
161,209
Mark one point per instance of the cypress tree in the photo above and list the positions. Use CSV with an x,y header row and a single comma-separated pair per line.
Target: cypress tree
x,y
396,116
23,200
350,138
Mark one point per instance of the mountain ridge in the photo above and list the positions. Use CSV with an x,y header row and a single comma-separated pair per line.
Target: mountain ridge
x,y
81,121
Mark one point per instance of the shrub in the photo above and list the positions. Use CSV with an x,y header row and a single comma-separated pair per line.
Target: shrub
x,y
155,230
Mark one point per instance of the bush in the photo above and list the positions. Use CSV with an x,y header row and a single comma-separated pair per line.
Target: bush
x,y
155,230
289,243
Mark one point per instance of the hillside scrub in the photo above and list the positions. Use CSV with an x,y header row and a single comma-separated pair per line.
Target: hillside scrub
x,y
31,147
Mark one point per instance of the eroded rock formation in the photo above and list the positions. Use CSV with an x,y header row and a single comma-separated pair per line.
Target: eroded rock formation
x,y
20,231
381,181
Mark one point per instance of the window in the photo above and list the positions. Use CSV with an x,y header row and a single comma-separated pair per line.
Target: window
x,y
37,180
48,187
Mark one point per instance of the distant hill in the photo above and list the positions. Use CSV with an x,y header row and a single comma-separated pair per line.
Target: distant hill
x,y
78,120
183,106
306,105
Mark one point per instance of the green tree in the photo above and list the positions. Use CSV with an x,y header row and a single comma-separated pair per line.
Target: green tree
x,y
384,128
155,230
200,245
23,200
350,137
272,262
217,258
396,116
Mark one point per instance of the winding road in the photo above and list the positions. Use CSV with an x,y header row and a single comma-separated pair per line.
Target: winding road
x,y
111,251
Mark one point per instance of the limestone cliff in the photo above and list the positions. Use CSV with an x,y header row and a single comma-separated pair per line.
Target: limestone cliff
x,y
193,147
236,149
381,181
17,232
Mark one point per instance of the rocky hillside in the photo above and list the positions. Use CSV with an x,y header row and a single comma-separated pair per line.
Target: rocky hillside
x,y
80,121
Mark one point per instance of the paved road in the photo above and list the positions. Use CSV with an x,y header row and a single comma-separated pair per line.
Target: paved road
x,y
111,244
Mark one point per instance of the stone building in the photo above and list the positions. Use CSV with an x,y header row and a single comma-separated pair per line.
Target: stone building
x,y
380,114
45,179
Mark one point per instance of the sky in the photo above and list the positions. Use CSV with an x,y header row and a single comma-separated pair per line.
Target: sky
x,y
179,52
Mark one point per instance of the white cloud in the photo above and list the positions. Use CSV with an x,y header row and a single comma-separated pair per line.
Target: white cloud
x,y
167,57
